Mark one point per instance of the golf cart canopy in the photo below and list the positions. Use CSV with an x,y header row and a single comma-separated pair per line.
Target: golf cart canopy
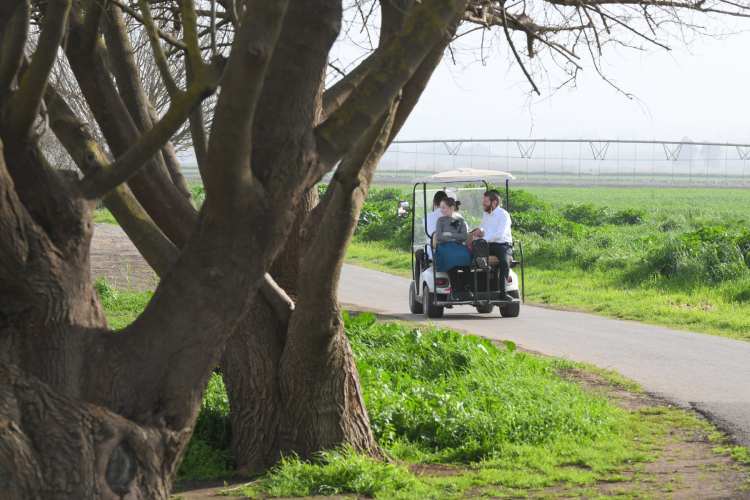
x,y
465,175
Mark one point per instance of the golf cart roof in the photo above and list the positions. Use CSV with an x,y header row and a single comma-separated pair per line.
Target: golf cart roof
x,y
465,175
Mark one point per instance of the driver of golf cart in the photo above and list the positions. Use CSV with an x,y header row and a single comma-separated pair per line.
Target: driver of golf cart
x,y
495,230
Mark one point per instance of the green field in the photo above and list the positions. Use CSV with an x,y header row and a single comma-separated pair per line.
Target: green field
x,y
674,257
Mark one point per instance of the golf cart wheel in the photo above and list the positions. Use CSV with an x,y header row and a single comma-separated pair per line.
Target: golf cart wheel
x,y
430,310
414,306
485,308
511,310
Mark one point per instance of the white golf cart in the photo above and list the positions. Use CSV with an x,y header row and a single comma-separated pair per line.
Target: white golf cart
x,y
476,285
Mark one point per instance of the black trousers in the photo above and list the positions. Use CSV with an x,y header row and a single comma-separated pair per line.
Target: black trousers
x,y
504,252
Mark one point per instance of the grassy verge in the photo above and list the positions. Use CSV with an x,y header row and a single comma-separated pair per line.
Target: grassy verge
x,y
702,309
458,416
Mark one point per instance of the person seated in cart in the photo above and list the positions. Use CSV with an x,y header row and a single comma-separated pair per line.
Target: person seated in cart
x,y
432,217
450,238
496,230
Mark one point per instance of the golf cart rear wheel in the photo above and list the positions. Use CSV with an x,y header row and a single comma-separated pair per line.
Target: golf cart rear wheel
x,y
430,310
511,310
414,306
485,308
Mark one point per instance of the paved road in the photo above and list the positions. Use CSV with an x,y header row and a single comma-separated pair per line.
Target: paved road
x,y
711,374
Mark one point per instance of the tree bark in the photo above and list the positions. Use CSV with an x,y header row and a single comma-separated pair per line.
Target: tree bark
x,y
86,413
321,395
250,361
56,447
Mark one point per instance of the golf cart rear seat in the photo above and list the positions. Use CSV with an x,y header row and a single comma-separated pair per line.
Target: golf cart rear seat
x,y
492,260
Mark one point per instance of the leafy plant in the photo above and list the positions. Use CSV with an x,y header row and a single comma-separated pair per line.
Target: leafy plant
x,y
334,472
586,214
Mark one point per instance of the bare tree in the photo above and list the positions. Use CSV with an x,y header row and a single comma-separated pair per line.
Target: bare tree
x,y
90,413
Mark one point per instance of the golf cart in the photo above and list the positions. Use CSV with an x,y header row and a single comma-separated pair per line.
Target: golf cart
x,y
476,285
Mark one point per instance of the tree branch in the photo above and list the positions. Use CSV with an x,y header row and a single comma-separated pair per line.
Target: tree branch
x,y
156,48
24,105
230,145
177,44
339,92
15,31
149,144
515,54
394,65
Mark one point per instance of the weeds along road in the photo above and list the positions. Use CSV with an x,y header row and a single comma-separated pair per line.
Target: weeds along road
x,y
709,373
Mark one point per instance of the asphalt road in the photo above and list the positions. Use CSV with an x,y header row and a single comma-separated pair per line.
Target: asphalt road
x,y
709,373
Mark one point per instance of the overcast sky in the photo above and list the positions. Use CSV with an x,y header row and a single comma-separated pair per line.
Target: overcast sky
x,y
697,92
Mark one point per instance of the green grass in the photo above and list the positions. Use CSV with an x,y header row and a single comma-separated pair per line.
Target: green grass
x,y
498,417
677,201
500,421
672,257
120,307
378,256
104,216
336,472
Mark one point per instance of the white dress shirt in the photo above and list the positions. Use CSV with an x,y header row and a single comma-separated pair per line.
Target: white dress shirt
x,y
496,225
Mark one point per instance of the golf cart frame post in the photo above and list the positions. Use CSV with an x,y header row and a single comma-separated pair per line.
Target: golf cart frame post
x,y
485,299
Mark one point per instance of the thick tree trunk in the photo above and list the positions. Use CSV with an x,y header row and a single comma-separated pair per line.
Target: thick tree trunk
x,y
322,398
251,359
249,367
56,447
52,443
320,390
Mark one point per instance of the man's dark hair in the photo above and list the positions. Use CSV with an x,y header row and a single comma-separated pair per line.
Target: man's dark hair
x,y
494,196
439,196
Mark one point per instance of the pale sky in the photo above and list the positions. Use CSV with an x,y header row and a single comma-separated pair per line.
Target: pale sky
x,y
699,92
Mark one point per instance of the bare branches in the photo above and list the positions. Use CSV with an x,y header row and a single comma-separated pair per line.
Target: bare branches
x,y
178,44
515,53
150,143
550,24
159,57
393,65
25,104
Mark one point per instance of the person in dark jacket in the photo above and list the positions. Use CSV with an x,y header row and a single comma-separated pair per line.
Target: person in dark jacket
x,y
450,237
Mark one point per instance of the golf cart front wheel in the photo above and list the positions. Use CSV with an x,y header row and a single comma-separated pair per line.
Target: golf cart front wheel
x,y
430,310
414,305
511,310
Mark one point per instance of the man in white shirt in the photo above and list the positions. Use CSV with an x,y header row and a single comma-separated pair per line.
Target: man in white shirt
x,y
495,230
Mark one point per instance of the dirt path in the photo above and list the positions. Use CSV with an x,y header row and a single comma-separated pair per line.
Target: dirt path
x,y
688,466
114,258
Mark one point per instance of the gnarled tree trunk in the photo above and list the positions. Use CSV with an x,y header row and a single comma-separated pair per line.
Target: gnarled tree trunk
x,y
90,413
250,361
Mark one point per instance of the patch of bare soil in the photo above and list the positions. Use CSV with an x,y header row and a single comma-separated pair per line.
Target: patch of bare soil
x,y
203,490
115,258
687,466
436,470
